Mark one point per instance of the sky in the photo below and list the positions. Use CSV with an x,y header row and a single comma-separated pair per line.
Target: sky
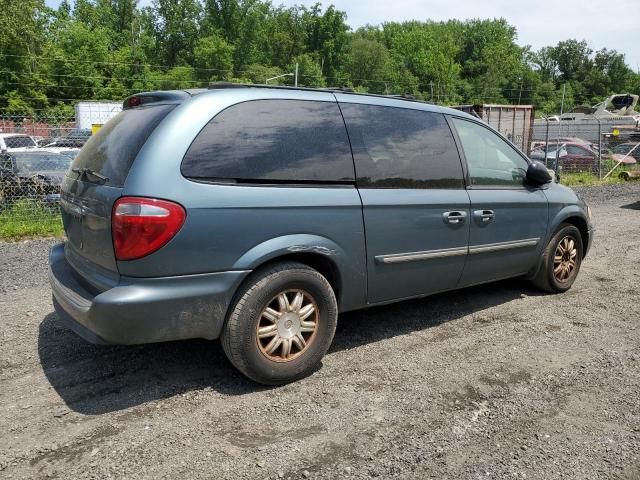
x,y
602,23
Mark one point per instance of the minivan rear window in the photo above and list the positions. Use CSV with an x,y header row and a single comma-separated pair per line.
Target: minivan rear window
x,y
113,149
264,141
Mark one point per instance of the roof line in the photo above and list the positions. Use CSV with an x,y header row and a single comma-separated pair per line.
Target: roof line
x,y
345,90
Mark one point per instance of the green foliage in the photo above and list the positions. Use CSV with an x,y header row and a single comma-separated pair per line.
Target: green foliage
x,y
28,218
213,58
309,72
109,49
587,179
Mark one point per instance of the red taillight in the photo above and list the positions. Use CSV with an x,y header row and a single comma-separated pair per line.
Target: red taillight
x,y
141,226
134,102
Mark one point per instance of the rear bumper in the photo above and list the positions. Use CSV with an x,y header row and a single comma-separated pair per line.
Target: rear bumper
x,y
143,310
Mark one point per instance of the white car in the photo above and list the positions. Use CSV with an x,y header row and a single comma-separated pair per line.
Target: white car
x,y
16,141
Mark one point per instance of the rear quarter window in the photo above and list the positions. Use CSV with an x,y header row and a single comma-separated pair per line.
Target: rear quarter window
x,y
112,151
402,148
273,141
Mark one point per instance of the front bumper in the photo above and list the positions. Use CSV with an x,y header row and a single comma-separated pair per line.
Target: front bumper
x,y
587,247
142,310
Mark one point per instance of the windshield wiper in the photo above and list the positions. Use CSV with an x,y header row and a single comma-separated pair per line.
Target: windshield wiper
x,y
87,172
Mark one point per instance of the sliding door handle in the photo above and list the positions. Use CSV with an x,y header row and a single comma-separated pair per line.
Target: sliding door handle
x,y
484,216
455,217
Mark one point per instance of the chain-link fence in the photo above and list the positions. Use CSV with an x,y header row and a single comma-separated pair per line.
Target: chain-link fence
x,y
587,146
36,150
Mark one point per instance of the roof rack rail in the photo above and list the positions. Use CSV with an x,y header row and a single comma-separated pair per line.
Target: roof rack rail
x,y
341,89
344,89
217,85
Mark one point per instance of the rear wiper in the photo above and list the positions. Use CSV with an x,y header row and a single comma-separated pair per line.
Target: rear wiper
x,y
87,172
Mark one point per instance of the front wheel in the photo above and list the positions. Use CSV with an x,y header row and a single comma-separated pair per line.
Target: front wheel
x,y
281,325
561,260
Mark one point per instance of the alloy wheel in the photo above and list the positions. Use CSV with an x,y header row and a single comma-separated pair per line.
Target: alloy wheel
x,y
287,325
565,259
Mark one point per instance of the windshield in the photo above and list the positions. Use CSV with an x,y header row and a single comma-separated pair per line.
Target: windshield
x,y
19,141
41,162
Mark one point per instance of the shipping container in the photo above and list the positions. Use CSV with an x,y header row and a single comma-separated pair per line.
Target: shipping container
x,y
513,121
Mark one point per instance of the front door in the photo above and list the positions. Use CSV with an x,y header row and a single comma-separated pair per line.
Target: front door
x,y
415,207
509,220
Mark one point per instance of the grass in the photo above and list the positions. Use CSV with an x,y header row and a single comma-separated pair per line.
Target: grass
x,y
588,179
27,218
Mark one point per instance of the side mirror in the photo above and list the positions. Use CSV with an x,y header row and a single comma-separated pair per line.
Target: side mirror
x,y
537,174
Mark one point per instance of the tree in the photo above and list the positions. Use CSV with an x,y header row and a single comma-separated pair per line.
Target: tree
x,y
573,59
213,59
369,65
108,49
176,27
309,73
326,36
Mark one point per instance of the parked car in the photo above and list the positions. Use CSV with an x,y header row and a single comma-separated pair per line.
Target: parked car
x,y
256,215
540,143
15,141
575,156
32,174
76,138
71,152
630,150
548,155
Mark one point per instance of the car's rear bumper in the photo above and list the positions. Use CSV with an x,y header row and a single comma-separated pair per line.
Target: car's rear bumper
x,y
142,310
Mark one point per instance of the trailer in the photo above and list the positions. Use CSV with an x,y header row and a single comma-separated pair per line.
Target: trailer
x,y
513,121
92,115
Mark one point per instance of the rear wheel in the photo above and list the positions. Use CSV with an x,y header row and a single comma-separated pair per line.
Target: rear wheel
x,y
281,325
561,260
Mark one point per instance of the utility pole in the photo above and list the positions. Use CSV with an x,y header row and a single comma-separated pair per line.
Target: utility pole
x,y
564,91
296,77
520,94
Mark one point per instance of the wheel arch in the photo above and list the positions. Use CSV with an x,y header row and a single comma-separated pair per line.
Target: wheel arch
x,y
572,216
321,263
320,253
582,225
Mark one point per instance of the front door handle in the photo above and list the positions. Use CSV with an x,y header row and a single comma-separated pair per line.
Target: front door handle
x,y
455,217
484,216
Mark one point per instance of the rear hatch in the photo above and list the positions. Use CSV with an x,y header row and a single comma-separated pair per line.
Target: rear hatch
x,y
95,181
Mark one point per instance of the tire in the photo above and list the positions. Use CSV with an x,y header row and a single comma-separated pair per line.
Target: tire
x,y
259,305
551,277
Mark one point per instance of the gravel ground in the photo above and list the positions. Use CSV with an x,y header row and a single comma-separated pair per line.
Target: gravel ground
x,y
497,381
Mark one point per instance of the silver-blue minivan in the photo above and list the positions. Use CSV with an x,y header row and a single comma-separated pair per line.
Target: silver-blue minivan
x,y
257,214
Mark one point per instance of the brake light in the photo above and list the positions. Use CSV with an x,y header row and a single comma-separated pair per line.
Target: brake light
x,y
140,226
132,102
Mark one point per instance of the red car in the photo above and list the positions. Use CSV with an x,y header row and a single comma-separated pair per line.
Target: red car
x,y
574,156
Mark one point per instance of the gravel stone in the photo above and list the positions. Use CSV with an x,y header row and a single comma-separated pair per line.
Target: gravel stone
x,y
497,381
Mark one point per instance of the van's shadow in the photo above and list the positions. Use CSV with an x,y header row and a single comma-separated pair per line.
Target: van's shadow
x,y
98,379
632,206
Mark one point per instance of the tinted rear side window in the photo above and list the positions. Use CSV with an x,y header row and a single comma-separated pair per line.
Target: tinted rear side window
x,y
113,149
402,148
273,140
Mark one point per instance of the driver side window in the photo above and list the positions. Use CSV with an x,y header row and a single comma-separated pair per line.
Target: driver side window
x,y
491,160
